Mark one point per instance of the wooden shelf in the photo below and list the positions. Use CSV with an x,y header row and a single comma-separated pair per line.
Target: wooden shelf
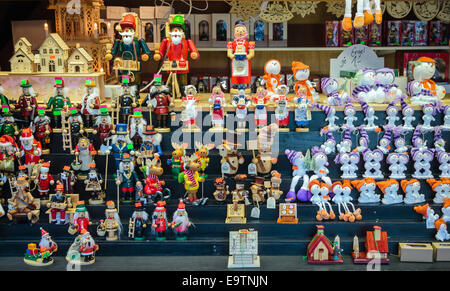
x,y
382,48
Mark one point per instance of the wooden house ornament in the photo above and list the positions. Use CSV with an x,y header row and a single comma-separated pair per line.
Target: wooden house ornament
x,y
53,53
243,249
22,60
203,30
235,213
322,251
80,61
287,213
222,30
377,247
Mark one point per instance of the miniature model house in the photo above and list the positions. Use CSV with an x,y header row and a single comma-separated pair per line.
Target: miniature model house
x,y
221,29
321,250
203,29
377,247
243,249
54,53
22,60
80,61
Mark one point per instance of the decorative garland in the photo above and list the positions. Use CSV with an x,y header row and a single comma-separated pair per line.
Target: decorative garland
x,y
303,8
444,15
276,12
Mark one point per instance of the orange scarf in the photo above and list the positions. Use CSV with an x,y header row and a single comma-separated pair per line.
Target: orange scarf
x,y
269,85
429,85
304,85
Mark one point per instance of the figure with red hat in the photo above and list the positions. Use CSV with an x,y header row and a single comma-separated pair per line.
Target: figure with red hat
x,y
138,222
59,102
160,99
87,248
47,244
80,220
153,185
67,178
175,52
301,75
27,102
43,255
159,221
8,124
180,222
103,127
240,51
8,150
90,103
127,179
30,148
93,184
128,51
44,180
42,129
58,204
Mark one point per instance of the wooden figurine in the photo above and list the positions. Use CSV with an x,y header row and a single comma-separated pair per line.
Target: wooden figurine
x,y
27,102
282,107
190,111
42,129
241,103
191,179
41,256
81,219
159,221
180,222
84,156
321,250
153,189
94,187
68,179
90,103
44,180
76,127
201,153
127,180
112,224
260,102
258,191
287,213
176,162
138,222
222,190
240,193
83,249
231,158
275,181
8,151
377,248
22,204
217,110
127,100
120,144
236,212
272,76
59,102
103,127
243,249
58,205
265,158
31,149
136,127
160,100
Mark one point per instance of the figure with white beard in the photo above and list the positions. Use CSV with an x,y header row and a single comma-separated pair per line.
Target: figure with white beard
x,y
27,101
129,48
181,223
42,255
137,125
90,102
175,51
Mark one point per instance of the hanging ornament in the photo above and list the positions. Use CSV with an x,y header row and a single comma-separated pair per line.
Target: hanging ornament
x,y
444,14
398,9
245,9
303,7
426,10
276,12
336,8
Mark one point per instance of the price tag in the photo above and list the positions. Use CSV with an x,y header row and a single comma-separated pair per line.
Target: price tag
x,y
252,169
225,167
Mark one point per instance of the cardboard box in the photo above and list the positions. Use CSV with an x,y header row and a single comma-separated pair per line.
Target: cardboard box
x,y
441,251
346,38
393,32
332,33
259,32
375,35
415,252
115,12
278,34
222,30
203,30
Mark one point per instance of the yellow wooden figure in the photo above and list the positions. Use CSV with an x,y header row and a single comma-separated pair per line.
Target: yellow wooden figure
x,y
191,178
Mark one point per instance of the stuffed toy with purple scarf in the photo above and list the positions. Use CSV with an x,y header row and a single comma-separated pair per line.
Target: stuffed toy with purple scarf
x,y
385,87
429,110
408,115
320,164
372,163
370,117
443,159
350,115
399,141
397,164
345,146
331,115
391,113
335,97
365,86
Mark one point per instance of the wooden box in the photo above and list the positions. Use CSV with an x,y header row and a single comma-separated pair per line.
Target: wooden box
x,y
257,35
115,12
415,252
222,30
441,251
203,30
278,34
162,12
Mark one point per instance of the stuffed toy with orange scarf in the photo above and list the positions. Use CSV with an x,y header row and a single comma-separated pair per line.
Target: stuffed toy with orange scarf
x,y
272,75
301,75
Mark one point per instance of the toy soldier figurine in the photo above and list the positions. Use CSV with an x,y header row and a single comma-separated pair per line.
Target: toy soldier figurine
x,y
90,102
42,130
127,179
58,103
138,222
94,186
160,100
58,204
84,153
128,51
103,127
27,102
23,202
120,144
7,124
80,219
151,143
181,222
44,180
30,148
137,126
8,148
67,179
113,226
177,49
159,221
76,125
127,100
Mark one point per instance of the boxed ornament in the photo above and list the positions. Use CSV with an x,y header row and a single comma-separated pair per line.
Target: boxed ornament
x,y
332,33
222,29
259,32
421,33
346,37
375,35
278,34
361,35
393,30
408,33
435,33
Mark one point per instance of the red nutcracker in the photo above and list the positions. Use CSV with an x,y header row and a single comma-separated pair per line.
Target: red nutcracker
x,y
282,106
259,101
80,219
27,101
159,221
42,129
160,100
90,102
240,51
103,127
44,180
30,148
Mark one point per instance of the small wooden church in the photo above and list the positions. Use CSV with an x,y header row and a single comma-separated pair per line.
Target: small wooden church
x,y
80,61
22,60
322,251
377,247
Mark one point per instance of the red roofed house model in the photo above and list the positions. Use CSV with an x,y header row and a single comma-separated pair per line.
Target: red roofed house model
x,y
322,251
376,247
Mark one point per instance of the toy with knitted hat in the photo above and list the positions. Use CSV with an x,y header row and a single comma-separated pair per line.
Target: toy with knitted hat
x,y
58,205
331,115
41,256
127,180
345,146
335,96
366,188
27,102
341,192
443,159
329,145
90,102
80,221
82,251
423,70
441,189
391,114
180,222
349,164
160,224
112,224
370,117
365,86
439,142
59,102
417,139
422,162
319,164
350,116
411,189
408,115
384,144
320,196
363,15
386,88
397,164
427,214
93,186
372,163
272,76
303,85
42,129
299,167
390,190
363,140
429,111
399,141
445,110
8,125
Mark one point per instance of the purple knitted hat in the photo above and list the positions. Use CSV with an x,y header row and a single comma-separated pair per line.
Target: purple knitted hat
x,y
387,133
364,135
347,135
348,106
398,131
392,105
327,109
409,87
440,155
365,106
324,83
367,70
291,155
430,105
404,105
416,135
437,133
385,70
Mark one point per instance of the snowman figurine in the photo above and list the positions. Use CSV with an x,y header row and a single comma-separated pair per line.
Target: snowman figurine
x,y
365,86
391,114
366,188
397,165
390,190
428,214
272,76
386,88
444,164
446,111
408,116
439,142
399,141
370,117
439,187
331,115
372,164
428,116
363,141
411,189
350,115
329,146
422,163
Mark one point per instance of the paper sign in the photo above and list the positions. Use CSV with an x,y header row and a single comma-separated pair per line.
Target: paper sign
x,y
353,58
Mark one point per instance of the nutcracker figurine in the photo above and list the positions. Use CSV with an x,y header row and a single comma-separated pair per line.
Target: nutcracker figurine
x,y
43,255
127,100
127,179
180,222
136,127
90,102
8,125
75,124
93,184
120,144
58,205
138,222
59,102
112,224
159,221
31,149
260,102
82,251
218,101
3,99
44,180
151,145
8,149
68,179
160,100
190,111
27,102
240,51
103,127
84,156
42,130
80,220
174,52
129,51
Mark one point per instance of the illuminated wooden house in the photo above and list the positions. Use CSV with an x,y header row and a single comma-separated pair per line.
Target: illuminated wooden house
x,y
80,61
22,60
377,247
53,54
